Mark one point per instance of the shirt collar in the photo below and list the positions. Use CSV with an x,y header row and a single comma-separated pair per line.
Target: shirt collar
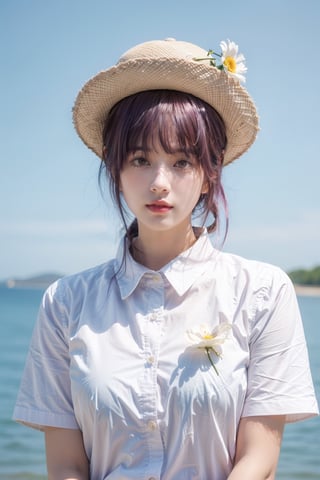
x,y
181,272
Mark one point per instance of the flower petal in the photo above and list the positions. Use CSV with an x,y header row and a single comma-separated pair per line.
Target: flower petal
x,y
202,336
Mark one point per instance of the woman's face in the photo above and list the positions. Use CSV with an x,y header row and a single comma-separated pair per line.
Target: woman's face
x,y
161,189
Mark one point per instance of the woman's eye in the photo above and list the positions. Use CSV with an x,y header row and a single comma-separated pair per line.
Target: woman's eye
x,y
183,163
139,162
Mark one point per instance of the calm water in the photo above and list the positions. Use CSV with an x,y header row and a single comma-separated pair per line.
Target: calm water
x,y
22,449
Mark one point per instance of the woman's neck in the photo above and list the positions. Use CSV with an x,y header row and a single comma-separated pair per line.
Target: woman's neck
x,y
156,249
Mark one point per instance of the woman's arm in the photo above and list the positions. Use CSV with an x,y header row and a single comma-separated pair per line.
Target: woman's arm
x,y
66,457
258,448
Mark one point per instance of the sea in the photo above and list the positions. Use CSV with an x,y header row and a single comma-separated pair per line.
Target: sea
x,y
22,455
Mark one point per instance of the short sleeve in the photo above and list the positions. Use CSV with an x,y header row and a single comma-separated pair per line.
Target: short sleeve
x,y
279,377
44,398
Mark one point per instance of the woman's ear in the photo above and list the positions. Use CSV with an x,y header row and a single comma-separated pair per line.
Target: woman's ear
x,y
205,187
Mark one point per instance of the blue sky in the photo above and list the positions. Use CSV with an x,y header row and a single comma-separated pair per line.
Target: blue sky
x,y
52,215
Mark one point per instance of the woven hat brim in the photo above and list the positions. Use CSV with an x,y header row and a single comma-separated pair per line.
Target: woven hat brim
x,y
216,87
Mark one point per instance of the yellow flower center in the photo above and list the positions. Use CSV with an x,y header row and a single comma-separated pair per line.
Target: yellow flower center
x,y
207,336
230,64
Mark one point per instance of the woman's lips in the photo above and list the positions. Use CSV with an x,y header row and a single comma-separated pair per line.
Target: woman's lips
x,y
159,207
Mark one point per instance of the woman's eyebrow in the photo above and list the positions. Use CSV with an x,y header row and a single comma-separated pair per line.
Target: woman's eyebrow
x,y
177,151
186,151
136,148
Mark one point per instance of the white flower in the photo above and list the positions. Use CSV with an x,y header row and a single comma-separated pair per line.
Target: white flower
x,y
233,61
210,340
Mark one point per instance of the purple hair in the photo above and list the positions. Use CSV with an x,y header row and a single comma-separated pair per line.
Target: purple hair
x,y
143,118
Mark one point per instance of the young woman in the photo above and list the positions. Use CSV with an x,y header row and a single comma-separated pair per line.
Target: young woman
x,y
175,360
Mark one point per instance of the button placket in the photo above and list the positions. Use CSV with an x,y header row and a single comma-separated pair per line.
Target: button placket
x,y
154,290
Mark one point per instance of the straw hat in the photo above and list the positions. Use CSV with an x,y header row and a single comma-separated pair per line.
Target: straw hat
x,y
169,65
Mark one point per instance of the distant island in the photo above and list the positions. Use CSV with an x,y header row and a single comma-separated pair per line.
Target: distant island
x,y
309,277
38,281
306,282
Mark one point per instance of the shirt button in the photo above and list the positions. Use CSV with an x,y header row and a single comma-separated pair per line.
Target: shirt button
x,y
151,359
152,425
152,478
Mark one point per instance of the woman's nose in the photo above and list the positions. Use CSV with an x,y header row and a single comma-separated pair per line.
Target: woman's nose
x,y
160,181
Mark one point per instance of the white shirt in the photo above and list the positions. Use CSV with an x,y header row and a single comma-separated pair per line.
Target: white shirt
x,y
110,356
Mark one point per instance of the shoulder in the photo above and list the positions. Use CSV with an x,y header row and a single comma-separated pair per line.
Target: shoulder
x,y
79,285
252,272
255,285
75,297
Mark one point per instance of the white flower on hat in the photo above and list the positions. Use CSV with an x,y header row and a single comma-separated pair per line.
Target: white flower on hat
x,y
210,340
232,61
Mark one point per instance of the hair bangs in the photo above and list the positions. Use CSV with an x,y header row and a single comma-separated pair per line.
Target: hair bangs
x,y
171,122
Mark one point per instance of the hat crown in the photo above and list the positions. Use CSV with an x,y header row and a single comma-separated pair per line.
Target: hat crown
x,y
168,48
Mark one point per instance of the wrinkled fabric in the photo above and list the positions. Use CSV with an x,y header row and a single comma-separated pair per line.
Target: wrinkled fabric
x,y
110,355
